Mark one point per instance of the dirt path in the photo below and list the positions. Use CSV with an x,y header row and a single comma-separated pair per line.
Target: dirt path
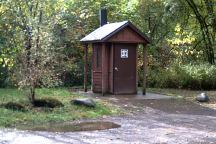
x,y
149,121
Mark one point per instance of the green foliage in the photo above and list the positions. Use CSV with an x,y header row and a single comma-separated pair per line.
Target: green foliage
x,y
74,74
190,76
176,31
202,75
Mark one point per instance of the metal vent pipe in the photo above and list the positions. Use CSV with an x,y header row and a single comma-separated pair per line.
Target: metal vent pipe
x,y
103,17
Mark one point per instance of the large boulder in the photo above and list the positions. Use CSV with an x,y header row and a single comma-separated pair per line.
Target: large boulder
x,y
203,97
84,102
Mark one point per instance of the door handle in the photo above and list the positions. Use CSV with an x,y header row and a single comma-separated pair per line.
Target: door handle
x,y
116,68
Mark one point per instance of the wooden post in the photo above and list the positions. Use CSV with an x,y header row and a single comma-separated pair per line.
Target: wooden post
x,y
144,68
104,69
85,66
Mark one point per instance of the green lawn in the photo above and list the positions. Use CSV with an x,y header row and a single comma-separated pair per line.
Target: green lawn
x,y
12,118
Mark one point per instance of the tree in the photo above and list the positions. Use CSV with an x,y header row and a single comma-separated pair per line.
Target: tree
x,y
36,55
207,25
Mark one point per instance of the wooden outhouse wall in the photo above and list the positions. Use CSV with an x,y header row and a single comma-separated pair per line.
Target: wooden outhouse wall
x,y
126,35
111,67
97,67
103,61
97,57
114,58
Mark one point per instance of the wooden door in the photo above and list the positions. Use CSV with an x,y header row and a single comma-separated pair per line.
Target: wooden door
x,y
124,68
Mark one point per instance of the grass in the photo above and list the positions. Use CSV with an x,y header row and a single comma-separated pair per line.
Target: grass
x,y
188,95
11,118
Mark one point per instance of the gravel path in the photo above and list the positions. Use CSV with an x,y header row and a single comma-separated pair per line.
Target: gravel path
x,y
150,122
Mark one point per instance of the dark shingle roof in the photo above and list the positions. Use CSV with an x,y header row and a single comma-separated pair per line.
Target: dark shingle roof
x,y
104,32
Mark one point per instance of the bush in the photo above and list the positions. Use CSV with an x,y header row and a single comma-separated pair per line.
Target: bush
x,y
202,76
14,106
47,102
190,76
74,74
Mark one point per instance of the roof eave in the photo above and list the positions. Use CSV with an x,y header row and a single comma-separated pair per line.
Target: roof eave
x,y
90,41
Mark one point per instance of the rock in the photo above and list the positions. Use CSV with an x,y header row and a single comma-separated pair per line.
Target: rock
x,y
85,102
203,97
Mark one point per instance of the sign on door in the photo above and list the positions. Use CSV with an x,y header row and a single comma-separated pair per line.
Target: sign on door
x,y
124,53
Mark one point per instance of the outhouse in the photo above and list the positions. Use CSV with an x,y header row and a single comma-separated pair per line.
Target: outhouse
x,y
114,57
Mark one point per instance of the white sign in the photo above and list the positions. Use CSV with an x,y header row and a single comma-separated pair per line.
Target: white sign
x,y
124,53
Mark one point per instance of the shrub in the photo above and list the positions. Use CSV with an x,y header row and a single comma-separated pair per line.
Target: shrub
x,y
190,76
15,106
48,102
74,74
201,76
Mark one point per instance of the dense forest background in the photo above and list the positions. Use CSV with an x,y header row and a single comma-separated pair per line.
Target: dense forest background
x,y
39,40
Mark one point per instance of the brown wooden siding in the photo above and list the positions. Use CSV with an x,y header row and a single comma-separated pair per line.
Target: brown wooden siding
x,y
105,68
127,35
97,78
96,68
111,68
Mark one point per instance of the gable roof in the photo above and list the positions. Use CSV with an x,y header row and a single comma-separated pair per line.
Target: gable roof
x,y
106,31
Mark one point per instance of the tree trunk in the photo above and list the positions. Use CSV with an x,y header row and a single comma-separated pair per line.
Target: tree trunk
x,y
32,95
